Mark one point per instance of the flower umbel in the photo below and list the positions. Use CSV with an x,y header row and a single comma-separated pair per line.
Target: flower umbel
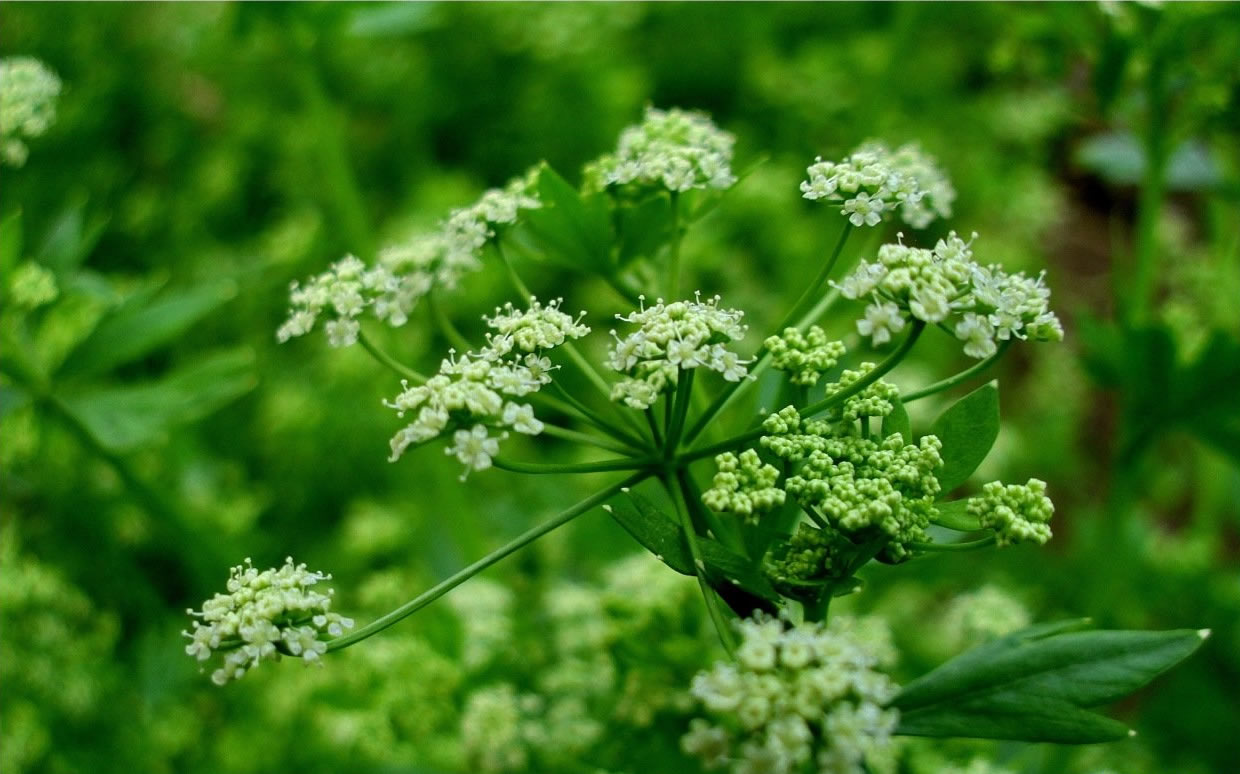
x,y
797,694
673,149
873,182
264,615
28,92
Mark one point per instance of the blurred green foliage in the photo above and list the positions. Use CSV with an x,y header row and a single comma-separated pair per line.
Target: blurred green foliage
x,y
205,155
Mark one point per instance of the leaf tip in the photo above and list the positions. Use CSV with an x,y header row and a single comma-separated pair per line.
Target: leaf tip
x,y
1203,633
1132,732
607,508
624,489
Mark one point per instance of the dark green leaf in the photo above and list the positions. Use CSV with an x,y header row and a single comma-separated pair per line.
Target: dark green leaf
x,y
898,422
569,229
71,238
663,537
140,325
126,417
1035,684
968,428
656,532
643,228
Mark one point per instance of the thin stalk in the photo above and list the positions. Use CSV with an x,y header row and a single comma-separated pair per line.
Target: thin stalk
x,y
806,298
456,579
974,370
724,531
972,545
389,361
684,388
586,438
603,466
654,427
513,277
589,415
445,325
699,565
673,252
831,401
734,390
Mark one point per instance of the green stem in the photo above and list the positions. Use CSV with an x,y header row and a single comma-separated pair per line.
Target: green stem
x,y
735,389
603,466
653,424
451,582
724,531
831,401
445,325
684,388
513,277
806,298
673,252
972,545
389,361
699,565
586,438
974,370
587,414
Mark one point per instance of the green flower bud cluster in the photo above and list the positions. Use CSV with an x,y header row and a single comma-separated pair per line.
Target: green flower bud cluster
x,y
674,337
873,182
1018,513
470,391
263,615
798,698
404,272
28,92
810,556
856,483
876,400
744,486
933,285
673,149
804,356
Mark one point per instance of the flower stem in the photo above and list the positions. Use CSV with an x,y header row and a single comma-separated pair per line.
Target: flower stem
x,y
389,361
445,325
734,390
572,404
586,438
535,468
456,579
964,376
831,401
699,566
673,252
684,388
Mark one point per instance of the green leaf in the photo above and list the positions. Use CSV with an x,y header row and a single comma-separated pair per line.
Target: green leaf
x,y
643,228
954,514
968,428
125,417
71,238
140,325
569,229
663,537
898,422
10,243
1036,684
656,532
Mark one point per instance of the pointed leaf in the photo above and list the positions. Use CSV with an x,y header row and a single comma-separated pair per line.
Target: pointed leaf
x,y
657,533
1035,684
643,228
968,428
126,417
955,515
569,229
139,326
71,238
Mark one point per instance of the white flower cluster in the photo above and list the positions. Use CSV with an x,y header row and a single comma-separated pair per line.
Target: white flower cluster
x,y
470,391
873,182
933,285
32,285
981,615
675,149
28,92
674,337
801,698
405,272
263,615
